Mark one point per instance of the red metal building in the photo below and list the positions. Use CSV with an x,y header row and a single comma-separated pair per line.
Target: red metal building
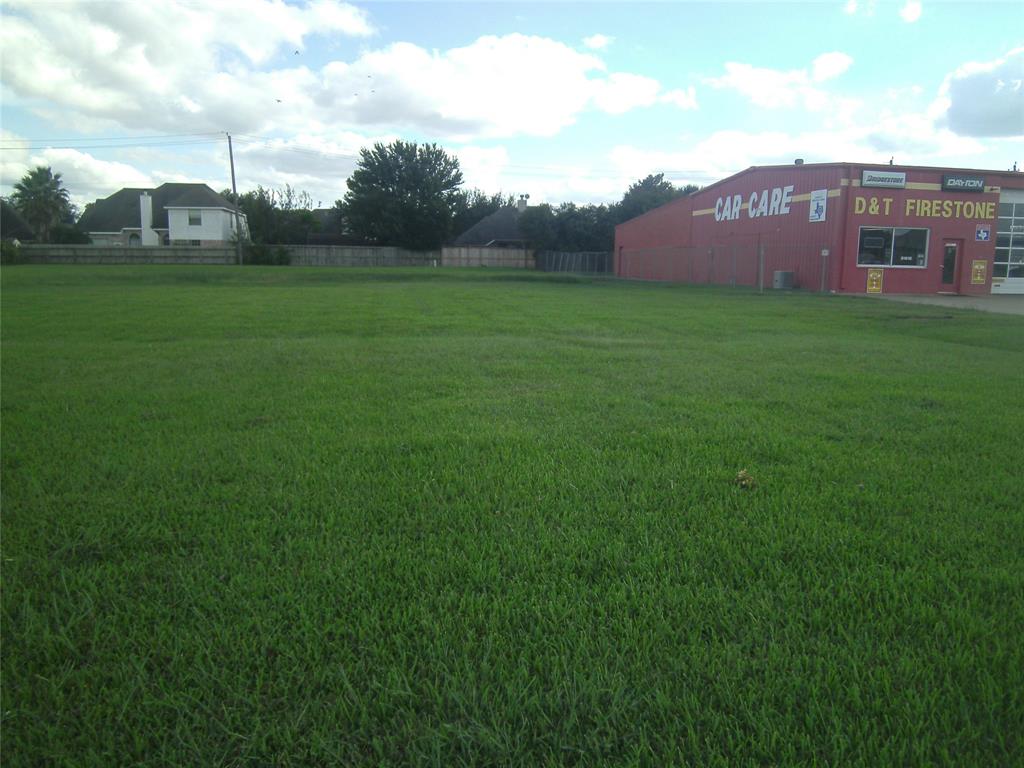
x,y
842,227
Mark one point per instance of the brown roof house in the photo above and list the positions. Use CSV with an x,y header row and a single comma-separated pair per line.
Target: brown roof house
x,y
171,214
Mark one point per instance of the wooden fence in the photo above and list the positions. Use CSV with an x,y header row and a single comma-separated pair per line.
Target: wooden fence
x,y
100,254
300,256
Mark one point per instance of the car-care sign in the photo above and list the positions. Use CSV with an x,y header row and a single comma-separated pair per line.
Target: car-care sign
x,y
773,202
887,179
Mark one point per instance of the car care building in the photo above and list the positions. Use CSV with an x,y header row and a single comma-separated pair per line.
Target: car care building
x,y
843,227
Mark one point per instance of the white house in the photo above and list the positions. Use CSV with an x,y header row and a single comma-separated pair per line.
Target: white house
x,y
171,214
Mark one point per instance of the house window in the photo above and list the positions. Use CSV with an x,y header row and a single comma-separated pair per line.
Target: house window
x,y
892,247
167,240
195,243
195,218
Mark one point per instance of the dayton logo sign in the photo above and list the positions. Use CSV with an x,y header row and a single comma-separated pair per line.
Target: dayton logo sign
x,y
958,182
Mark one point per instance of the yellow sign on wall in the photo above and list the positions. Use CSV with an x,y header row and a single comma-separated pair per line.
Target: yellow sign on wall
x,y
875,280
978,269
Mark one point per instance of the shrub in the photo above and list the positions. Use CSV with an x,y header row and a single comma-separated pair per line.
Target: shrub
x,y
267,255
10,253
68,234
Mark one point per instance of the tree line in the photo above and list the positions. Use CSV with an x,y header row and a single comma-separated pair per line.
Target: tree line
x,y
403,193
409,195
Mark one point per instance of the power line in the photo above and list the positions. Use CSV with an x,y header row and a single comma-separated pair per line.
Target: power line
x,y
37,139
134,145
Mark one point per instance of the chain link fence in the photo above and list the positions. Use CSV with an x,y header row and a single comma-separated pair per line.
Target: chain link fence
x,y
747,264
585,262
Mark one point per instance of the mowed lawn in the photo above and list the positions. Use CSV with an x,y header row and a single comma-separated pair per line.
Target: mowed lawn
x,y
258,516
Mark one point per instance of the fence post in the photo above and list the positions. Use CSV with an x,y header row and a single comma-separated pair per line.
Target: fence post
x,y
824,269
760,267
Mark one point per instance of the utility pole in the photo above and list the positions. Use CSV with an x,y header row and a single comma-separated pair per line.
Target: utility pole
x,y
234,191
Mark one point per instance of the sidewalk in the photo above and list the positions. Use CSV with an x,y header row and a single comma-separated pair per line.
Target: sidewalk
x,y
1001,304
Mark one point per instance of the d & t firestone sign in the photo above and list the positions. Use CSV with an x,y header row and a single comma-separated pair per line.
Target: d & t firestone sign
x,y
959,182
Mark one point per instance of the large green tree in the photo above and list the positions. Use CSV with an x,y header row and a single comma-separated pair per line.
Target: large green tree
x,y
42,201
403,194
648,193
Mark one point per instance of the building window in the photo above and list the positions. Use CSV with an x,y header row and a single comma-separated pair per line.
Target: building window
x,y
1009,257
195,218
195,243
166,240
892,247
134,241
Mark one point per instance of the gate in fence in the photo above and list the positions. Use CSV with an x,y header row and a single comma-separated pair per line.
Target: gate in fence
x,y
586,262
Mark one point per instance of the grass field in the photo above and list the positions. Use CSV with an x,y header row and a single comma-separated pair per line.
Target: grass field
x,y
340,517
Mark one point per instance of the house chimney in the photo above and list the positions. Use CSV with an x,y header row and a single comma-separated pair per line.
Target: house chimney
x,y
149,237
521,205
146,209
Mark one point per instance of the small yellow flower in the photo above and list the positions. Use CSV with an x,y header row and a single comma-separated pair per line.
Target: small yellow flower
x,y
744,479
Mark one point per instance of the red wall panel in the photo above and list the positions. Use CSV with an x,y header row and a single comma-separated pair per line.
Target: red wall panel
x,y
715,235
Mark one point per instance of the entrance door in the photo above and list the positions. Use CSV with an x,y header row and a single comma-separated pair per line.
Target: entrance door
x,y
950,267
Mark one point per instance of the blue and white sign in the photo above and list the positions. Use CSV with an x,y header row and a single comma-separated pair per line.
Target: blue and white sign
x,y
819,201
983,233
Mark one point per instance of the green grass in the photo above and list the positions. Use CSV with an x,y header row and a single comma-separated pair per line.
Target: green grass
x,y
343,517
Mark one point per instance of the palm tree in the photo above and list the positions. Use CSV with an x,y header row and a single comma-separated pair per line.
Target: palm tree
x,y
41,199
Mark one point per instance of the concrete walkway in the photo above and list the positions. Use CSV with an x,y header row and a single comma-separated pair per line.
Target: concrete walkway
x,y
1001,304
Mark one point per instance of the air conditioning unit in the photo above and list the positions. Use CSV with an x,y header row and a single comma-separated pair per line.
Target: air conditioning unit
x,y
783,280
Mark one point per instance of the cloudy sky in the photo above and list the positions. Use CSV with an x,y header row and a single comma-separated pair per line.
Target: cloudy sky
x,y
564,101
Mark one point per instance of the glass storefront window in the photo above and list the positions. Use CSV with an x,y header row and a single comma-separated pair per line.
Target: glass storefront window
x,y
892,247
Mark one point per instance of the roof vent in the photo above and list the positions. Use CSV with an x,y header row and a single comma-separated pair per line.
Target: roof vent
x,y
798,161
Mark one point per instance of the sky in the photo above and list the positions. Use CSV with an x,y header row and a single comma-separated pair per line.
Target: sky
x,y
560,101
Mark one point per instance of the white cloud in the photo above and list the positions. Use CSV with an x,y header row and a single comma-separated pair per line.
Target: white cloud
x,y
684,99
854,7
776,89
911,11
84,176
598,42
484,167
829,65
621,92
162,64
171,65
910,140
983,98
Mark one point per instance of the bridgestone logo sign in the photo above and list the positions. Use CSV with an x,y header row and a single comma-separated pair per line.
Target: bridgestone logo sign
x,y
890,179
955,182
